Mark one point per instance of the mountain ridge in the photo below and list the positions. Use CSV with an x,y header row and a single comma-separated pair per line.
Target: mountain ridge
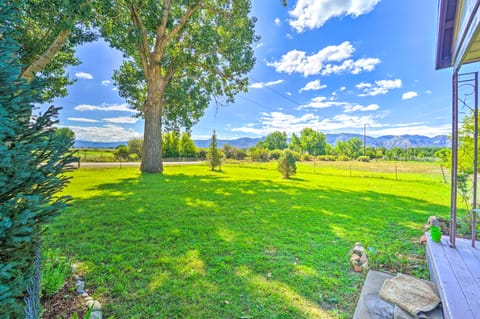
x,y
388,141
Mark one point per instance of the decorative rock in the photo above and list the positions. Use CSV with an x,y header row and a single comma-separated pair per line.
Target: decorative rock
x,y
423,239
85,295
88,299
76,277
359,249
96,315
359,259
80,287
95,305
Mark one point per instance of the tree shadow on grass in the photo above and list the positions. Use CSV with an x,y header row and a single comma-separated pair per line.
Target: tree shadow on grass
x,y
203,246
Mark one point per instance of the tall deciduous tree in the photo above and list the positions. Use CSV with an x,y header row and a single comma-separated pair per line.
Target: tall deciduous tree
x,y
312,142
187,146
295,143
276,141
182,54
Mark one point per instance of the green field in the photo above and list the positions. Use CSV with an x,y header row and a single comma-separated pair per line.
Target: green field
x,y
242,243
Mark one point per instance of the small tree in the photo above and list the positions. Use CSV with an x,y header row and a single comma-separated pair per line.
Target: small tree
x,y
214,157
121,153
135,146
287,164
187,146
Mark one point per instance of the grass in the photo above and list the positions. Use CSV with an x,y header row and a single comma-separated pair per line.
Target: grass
x,y
241,243
96,155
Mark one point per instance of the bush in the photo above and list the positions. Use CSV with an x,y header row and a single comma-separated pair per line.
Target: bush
x,y
275,154
202,154
363,159
259,154
287,164
55,271
306,157
239,154
32,163
327,158
343,158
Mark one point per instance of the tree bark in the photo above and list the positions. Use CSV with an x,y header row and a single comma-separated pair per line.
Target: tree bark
x,y
152,137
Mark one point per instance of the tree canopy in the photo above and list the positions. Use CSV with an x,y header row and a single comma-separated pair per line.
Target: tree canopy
x,y
47,36
312,142
276,141
181,55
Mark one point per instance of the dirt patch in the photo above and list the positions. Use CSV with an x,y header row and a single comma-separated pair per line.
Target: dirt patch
x,y
64,303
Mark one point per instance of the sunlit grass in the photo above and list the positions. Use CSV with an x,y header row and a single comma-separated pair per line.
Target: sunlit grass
x,y
241,243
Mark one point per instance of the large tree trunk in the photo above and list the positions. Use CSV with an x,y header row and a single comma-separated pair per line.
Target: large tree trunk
x,y
152,135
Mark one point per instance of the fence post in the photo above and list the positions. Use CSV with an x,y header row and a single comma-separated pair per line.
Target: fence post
x,y
396,172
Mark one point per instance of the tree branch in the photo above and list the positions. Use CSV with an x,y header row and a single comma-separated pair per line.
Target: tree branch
x,y
162,39
143,42
38,64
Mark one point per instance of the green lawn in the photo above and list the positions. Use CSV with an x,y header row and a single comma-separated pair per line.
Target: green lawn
x,y
241,243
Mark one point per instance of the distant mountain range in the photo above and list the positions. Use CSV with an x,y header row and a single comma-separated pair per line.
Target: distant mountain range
x,y
388,141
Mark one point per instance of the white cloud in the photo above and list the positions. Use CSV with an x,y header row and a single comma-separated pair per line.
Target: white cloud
x,y
278,121
311,14
321,62
260,85
322,102
259,45
428,92
343,88
380,87
106,133
288,93
82,119
277,21
409,95
106,82
106,108
363,85
362,108
121,120
84,75
312,86
351,66
289,36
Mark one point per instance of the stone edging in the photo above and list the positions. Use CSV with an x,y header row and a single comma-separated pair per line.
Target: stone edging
x,y
89,301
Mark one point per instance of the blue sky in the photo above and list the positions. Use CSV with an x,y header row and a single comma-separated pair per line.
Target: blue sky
x,y
331,65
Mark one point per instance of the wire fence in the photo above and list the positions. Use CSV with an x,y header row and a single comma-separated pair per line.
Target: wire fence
x,y
380,169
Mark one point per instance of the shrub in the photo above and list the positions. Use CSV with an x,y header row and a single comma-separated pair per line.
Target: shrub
x,y
328,158
259,154
202,154
239,154
343,158
55,271
306,157
363,159
32,163
275,154
287,164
